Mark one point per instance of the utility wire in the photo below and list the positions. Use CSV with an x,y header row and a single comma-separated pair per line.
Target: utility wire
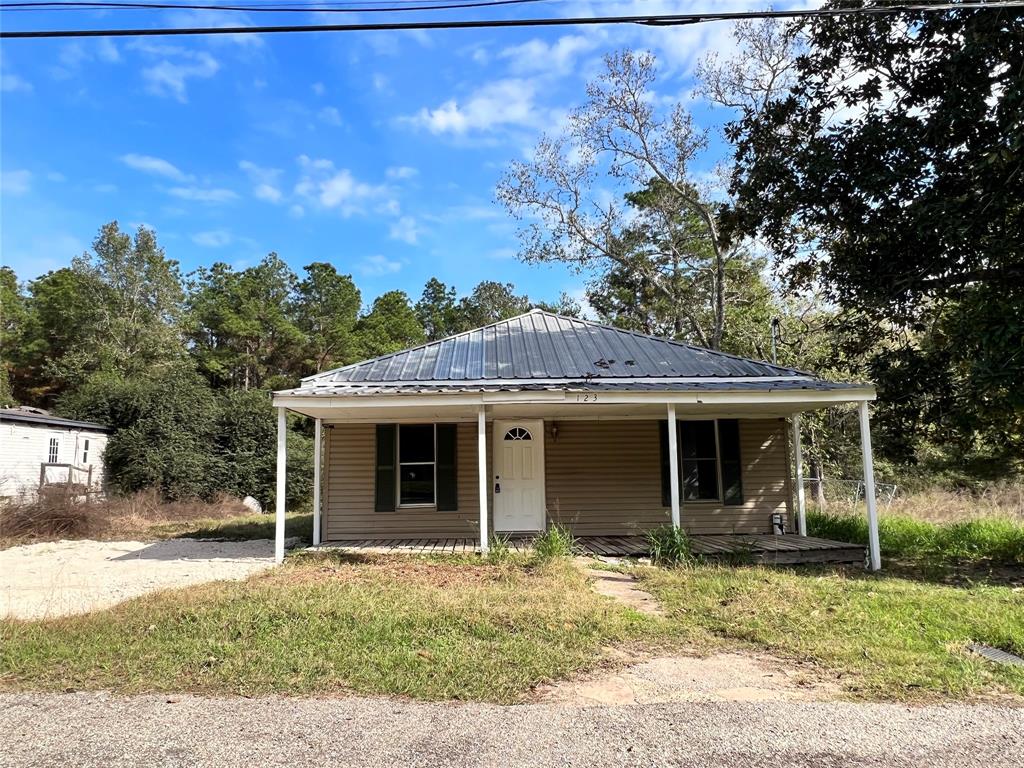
x,y
440,5
654,20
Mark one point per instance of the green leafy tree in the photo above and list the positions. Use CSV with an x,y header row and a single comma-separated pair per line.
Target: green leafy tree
x,y
390,325
490,302
241,325
136,293
12,324
438,311
326,311
56,345
566,306
888,174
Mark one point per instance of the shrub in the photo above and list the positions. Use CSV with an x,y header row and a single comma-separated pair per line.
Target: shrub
x,y
669,546
556,541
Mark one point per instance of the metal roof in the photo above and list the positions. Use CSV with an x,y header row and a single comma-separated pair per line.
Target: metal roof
x,y
18,414
544,351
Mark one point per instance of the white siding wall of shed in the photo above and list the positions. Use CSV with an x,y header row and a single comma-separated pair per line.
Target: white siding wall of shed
x,y
24,447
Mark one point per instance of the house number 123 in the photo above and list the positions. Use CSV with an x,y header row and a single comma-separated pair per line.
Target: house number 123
x,y
589,397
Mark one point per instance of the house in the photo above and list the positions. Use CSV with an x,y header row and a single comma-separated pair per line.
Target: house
x,y
545,419
38,450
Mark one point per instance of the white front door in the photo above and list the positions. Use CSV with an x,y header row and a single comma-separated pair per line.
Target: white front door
x,y
519,476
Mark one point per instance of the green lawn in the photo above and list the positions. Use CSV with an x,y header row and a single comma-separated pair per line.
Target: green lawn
x,y
458,628
426,629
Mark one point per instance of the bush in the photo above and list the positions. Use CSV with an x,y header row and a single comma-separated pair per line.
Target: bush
x,y
994,539
669,546
556,541
173,433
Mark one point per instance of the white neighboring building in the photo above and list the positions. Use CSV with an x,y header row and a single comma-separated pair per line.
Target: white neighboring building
x,y
38,448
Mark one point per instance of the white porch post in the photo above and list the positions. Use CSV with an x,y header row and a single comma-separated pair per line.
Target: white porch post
x,y
798,457
282,471
869,488
317,448
484,480
673,464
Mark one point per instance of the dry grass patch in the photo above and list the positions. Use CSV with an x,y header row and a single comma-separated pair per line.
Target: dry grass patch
x,y
140,516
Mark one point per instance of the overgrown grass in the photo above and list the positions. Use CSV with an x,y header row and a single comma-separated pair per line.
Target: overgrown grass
x,y
329,623
669,546
556,541
882,637
242,528
994,539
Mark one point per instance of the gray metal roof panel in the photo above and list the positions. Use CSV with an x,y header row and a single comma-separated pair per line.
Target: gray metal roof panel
x,y
15,414
346,389
542,345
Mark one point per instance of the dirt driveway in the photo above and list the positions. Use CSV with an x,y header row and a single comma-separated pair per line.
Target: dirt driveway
x,y
67,577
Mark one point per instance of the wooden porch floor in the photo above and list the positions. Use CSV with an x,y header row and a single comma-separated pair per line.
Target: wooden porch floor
x,y
757,548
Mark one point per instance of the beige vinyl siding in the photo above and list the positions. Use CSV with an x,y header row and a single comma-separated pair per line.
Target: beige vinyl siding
x,y
349,491
602,478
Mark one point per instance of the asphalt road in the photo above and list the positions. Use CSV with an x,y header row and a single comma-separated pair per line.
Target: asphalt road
x,y
103,730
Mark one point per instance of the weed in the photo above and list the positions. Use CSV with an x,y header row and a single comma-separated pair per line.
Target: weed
x,y
669,546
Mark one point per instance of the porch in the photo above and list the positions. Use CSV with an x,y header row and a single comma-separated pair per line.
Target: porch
x,y
757,548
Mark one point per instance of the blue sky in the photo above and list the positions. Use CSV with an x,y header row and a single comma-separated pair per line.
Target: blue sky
x,y
377,152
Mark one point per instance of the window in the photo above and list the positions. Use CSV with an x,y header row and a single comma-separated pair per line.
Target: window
x,y
518,433
85,451
699,454
709,461
54,447
416,464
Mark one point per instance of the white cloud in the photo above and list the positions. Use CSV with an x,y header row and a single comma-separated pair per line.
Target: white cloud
x,y
318,89
15,183
406,230
107,51
380,82
401,172
296,211
508,102
539,56
170,75
265,181
9,83
330,115
267,193
154,165
378,266
56,177
203,194
105,189
324,185
216,238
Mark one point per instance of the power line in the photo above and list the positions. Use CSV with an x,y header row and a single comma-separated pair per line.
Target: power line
x,y
353,7
655,20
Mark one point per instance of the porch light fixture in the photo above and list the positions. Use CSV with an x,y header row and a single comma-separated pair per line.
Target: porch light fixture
x,y
554,432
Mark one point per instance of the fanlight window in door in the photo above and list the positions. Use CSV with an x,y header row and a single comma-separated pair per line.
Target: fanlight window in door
x,y
518,433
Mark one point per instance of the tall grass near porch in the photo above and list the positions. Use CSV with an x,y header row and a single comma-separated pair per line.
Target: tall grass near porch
x,y
999,540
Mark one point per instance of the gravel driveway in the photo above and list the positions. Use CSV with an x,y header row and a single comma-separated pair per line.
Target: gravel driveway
x,y
103,730
65,577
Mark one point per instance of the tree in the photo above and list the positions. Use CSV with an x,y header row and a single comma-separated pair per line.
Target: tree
x,y
12,323
136,293
241,325
490,302
566,306
889,175
437,311
389,326
56,345
326,311
620,135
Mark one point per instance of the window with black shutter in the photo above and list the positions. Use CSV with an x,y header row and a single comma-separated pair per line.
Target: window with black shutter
x,y
710,467
416,466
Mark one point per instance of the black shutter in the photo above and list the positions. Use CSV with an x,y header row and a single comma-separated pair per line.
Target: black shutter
x,y
447,473
386,474
729,452
666,488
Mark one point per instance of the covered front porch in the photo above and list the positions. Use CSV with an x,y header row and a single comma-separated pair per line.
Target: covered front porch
x,y
755,548
597,457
